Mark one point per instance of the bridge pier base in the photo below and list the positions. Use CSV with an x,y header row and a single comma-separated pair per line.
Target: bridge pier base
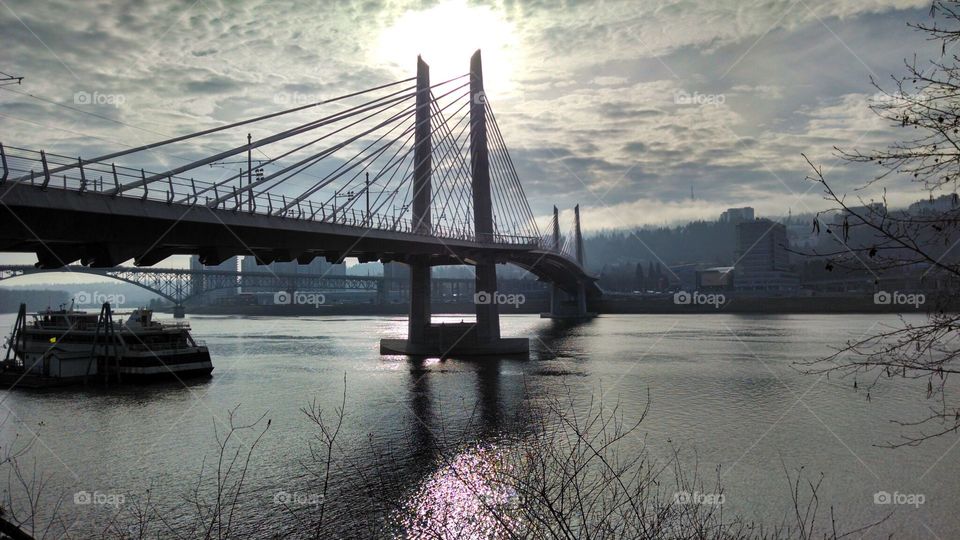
x,y
179,311
455,339
568,306
481,338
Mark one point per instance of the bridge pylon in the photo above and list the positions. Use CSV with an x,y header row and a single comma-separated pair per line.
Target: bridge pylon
x,y
569,305
482,337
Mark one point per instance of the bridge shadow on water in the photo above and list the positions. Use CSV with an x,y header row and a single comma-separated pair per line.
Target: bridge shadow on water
x,y
462,410
499,387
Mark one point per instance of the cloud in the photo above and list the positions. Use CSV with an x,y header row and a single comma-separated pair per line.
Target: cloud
x,y
592,113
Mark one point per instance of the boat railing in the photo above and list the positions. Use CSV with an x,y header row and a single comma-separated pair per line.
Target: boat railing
x,y
164,346
170,323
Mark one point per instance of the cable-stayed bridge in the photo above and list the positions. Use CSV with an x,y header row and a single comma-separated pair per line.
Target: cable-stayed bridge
x,y
407,171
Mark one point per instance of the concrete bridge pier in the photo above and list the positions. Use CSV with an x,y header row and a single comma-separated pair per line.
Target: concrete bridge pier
x,y
459,339
418,323
567,305
488,312
179,311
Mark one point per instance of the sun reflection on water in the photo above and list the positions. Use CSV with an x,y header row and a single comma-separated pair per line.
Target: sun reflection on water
x,y
467,497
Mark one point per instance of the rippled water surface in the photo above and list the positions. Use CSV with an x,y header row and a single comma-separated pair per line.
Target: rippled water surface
x,y
721,388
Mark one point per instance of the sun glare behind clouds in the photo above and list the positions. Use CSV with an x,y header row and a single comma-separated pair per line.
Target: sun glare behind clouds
x,y
446,35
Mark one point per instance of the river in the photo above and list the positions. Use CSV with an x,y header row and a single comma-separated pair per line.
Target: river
x,y
723,389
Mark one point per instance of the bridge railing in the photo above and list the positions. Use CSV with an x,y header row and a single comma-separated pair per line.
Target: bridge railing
x,y
32,167
546,243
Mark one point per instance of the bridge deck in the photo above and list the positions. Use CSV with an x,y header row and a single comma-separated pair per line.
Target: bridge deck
x,y
58,225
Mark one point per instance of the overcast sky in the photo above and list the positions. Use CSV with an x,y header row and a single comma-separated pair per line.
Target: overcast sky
x,y
591,96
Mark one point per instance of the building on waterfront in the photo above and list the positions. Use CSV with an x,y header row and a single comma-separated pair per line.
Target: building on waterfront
x,y
763,260
737,215
718,278
935,206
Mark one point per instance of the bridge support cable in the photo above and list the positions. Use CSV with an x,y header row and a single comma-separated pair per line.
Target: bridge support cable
x,y
314,158
462,182
510,200
405,205
330,178
348,205
390,199
363,186
393,164
261,142
304,128
383,107
189,136
352,163
416,193
512,184
451,161
327,179
504,213
458,216
531,219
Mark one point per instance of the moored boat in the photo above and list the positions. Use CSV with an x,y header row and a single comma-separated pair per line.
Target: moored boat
x,y
64,346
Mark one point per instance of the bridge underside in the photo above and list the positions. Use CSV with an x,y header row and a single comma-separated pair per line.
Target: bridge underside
x,y
58,225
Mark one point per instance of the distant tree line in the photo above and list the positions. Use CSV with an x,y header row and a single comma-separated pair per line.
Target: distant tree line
x,y
10,299
628,277
699,241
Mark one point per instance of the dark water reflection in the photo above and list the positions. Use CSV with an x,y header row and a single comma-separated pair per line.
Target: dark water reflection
x,y
720,386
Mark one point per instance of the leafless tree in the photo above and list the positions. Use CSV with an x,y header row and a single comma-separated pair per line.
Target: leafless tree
x,y
923,105
25,510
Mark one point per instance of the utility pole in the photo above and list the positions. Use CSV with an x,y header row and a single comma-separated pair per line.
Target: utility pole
x,y
249,173
6,79
367,191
